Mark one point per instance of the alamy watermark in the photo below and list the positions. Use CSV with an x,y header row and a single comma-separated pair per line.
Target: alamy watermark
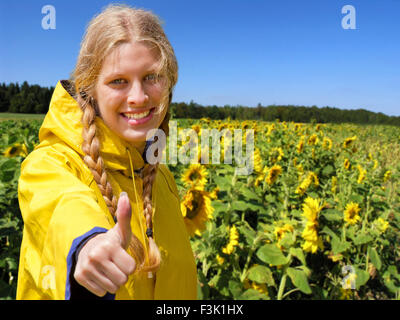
x,y
349,20
238,149
49,20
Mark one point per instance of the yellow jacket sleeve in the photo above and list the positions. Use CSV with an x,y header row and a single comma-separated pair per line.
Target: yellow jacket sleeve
x,y
59,210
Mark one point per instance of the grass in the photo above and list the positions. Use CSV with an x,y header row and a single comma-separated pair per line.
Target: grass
x,y
20,116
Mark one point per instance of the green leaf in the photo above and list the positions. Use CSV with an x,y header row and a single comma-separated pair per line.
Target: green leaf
x,y
328,170
239,205
362,239
299,280
235,288
288,240
271,254
249,234
223,183
299,254
249,194
362,277
339,246
333,215
261,274
252,294
376,261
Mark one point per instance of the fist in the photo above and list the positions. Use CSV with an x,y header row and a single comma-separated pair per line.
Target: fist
x,y
103,264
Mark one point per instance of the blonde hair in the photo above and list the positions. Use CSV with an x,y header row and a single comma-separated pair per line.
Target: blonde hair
x,y
115,25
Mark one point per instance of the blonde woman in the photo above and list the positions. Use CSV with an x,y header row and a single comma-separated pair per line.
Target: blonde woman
x,y
101,222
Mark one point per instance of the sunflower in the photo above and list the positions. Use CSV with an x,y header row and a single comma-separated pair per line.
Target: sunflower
x,y
346,164
327,143
273,174
233,241
381,224
387,175
348,142
351,213
311,210
15,150
313,140
276,154
195,176
258,166
300,145
196,210
305,184
362,173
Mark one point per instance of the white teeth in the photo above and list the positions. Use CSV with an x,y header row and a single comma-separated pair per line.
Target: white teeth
x,y
137,116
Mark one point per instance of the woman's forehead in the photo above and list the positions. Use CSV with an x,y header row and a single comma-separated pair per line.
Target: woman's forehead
x,y
131,57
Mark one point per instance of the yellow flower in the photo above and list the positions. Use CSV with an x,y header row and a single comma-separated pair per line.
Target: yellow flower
x,y
262,288
347,294
387,176
351,213
300,145
335,257
16,150
313,140
348,141
273,174
346,164
362,173
276,155
220,259
233,241
375,164
381,224
305,184
311,210
327,143
196,210
195,176
197,128
258,166
270,129
214,194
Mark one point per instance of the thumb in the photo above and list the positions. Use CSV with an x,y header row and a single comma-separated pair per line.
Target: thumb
x,y
123,214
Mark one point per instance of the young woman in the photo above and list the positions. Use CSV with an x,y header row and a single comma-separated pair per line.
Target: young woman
x,y
99,220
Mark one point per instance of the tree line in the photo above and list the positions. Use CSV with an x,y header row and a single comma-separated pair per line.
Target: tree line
x,y
36,99
283,113
25,98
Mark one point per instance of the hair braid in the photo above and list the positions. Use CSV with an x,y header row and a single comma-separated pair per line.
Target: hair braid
x,y
92,158
149,175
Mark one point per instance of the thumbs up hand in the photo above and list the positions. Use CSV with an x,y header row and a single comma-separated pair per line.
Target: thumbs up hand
x,y
103,264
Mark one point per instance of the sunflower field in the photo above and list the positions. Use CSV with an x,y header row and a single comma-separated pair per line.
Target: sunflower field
x,y
318,218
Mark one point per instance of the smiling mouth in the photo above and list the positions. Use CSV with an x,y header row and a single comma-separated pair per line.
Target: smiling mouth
x,y
137,115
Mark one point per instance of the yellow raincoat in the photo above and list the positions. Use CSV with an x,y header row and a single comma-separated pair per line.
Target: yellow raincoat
x,y
61,205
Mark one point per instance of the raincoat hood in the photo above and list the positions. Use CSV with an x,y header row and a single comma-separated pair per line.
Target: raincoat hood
x,y
62,206
63,122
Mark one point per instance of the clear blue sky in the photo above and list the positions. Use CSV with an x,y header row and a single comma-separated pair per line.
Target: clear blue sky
x,y
237,52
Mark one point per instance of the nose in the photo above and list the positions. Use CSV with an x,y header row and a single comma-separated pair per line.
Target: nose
x,y
137,96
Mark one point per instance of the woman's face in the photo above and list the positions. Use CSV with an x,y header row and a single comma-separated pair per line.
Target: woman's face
x,y
128,92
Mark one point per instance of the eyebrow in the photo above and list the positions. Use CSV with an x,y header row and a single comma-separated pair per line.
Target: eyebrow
x,y
121,74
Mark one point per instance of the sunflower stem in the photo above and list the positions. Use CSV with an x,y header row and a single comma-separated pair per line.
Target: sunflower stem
x,y
282,286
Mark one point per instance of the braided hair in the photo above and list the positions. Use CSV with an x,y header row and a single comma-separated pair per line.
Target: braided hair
x,y
115,25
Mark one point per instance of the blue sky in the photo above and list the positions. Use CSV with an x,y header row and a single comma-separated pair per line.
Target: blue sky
x,y
236,52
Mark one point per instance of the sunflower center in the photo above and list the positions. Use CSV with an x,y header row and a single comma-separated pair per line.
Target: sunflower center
x,y
196,205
